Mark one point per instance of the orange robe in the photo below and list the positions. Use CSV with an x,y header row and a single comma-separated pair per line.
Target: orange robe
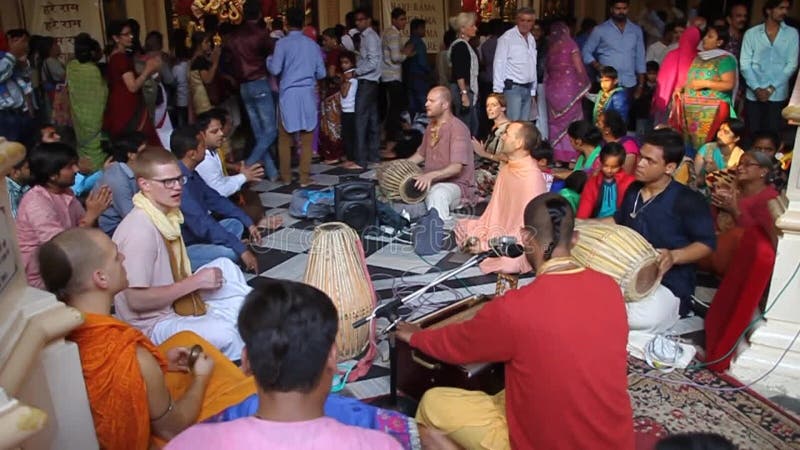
x,y
518,182
116,388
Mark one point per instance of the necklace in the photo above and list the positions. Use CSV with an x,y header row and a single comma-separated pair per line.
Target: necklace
x,y
554,265
645,204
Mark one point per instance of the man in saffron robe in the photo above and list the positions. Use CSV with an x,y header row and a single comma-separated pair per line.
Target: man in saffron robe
x,y
518,182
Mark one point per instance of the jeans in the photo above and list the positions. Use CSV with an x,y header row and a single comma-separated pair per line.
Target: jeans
x,y
257,99
202,254
367,126
518,103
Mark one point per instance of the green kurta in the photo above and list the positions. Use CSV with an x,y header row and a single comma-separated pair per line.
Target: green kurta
x,y
88,93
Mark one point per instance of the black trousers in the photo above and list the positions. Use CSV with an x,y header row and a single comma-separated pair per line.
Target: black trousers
x,y
395,94
367,123
764,116
349,135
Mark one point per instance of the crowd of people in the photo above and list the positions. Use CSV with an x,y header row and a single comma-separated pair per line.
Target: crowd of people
x,y
129,201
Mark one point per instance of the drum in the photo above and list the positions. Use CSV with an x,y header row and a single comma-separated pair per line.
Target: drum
x,y
621,253
336,266
396,179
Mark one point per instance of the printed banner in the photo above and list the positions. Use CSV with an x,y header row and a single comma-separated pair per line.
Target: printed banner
x,y
64,19
433,12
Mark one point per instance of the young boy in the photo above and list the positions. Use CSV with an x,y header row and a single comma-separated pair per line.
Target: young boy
x,y
604,191
611,95
641,106
543,155
347,63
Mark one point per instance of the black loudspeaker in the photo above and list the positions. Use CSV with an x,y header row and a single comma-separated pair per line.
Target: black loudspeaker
x,y
354,203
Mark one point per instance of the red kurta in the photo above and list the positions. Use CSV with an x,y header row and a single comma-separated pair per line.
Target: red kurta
x,y
563,340
125,110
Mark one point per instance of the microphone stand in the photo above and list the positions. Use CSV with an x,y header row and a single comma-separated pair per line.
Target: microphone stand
x,y
389,310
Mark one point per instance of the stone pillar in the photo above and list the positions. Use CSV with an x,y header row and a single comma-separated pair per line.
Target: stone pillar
x,y
782,324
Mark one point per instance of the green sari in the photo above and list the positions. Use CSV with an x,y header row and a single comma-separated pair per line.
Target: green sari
x,y
88,93
706,109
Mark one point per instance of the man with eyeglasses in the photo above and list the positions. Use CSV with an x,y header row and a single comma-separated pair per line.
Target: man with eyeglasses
x,y
164,295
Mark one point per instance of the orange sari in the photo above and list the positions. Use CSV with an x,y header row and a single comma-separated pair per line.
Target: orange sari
x,y
116,388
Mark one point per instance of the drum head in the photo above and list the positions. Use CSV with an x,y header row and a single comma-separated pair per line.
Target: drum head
x,y
410,194
647,279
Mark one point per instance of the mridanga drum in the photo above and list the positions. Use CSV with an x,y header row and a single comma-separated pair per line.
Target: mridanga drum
x,y
336,266
396,179
621,253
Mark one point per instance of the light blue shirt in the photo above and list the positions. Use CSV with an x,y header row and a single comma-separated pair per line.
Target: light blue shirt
x,y
766,63
120,179
298,62
622,50
369,60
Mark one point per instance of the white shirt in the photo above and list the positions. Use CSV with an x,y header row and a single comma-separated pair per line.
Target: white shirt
x,y
181,73
210,170
349,102
656,52
515,59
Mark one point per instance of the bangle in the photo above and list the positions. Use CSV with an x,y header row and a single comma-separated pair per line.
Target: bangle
x,y
169,408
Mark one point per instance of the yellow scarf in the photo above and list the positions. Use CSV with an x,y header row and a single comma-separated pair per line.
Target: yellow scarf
x,y
169,225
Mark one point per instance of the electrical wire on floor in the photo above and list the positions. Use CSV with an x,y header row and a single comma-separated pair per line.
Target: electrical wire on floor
x,y
735,345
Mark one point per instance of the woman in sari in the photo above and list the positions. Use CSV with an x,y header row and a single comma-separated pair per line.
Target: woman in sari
x,y
672,74
710,84
126,111
722,154
745,204
491,151
330,132
569,84
88,94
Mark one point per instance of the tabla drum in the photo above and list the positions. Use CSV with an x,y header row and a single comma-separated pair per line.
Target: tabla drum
x,y
336,266
396,179
621,253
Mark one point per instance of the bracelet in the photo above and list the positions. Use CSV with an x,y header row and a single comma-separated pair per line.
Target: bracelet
x,y
463,92
169,408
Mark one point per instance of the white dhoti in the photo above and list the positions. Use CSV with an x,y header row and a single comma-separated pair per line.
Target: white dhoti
x,y
218,325
655,313
443,197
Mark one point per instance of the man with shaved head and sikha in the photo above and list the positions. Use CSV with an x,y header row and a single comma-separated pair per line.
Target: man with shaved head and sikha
x,y
446,150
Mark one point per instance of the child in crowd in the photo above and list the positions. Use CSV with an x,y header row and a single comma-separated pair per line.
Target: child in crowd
x,y
347,66
611,95
543,155
573,186
604,191
641,105
615,129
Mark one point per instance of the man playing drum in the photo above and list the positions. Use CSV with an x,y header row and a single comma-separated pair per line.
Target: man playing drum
x,y
446,150
676,221
564,356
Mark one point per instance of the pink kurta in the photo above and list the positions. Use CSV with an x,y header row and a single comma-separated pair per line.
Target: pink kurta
x,y
518,182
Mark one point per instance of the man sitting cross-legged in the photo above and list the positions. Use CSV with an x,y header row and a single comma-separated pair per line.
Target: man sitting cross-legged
x,y
518,182
158,266
206,239
136,390
562,339
446,150
140,393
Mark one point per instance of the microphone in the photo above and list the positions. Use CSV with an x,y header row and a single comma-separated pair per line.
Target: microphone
x,y
504,246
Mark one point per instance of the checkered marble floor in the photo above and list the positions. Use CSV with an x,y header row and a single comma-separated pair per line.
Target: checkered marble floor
x,y
394,267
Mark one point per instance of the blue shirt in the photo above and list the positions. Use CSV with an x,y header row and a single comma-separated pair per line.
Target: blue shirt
x,y
15,193
418,64
671,220
198,226
608,198
370,57
85,183
14,83
298,62
764,63
622,50
120,179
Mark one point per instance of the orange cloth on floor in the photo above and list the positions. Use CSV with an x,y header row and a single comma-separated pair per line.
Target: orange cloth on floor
x,y
518,182
116,388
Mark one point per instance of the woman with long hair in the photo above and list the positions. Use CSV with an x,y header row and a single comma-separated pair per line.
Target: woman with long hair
x,y
464,70
708,92
567,82
491,151
330,131
126,110
672,76
202,72
88,93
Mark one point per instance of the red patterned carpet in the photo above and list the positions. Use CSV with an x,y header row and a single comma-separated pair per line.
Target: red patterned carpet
x,y
663,408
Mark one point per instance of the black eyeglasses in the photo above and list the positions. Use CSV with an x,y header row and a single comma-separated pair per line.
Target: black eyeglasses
x,y
172,183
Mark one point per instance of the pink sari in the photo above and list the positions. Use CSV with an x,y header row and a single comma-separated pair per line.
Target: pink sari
x,y
672,73
569,84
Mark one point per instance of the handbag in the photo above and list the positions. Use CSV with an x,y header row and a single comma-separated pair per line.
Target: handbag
x,y
428,235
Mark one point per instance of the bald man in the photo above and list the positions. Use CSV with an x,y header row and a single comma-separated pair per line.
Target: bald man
x,y
446,150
